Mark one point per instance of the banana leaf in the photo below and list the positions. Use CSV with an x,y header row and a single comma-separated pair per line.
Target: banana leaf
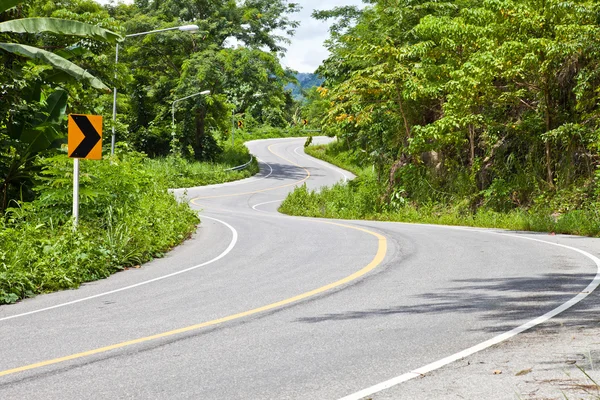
x,y
56,61
6,4
44,132
73,51
60,27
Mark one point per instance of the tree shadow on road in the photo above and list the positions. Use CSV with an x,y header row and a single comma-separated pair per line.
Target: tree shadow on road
x,y
505,303
287,172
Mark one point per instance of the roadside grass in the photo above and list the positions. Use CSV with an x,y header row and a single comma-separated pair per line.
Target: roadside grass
x,y
127,217
365,198
268,132
333,154
177,172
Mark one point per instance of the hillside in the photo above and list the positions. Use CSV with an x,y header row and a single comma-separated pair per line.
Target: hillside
x,y
305,82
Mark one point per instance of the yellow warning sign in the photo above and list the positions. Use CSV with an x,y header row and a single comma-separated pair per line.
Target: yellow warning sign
x,y
85,136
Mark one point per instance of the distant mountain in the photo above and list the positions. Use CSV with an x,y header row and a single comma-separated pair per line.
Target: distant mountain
x,y
306,81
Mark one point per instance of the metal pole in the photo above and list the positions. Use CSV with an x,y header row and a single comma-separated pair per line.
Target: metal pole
x,y
75,192
114,116
232,128
185,28
173,149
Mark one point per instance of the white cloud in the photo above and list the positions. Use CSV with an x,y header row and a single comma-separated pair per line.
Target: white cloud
x,y
306,51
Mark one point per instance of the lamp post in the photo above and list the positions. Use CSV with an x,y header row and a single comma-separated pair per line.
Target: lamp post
x,y
204,92
184,28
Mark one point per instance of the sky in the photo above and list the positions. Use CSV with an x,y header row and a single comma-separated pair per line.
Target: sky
x,y
306,52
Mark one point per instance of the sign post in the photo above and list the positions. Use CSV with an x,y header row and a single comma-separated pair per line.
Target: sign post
x,y
85,141
75,192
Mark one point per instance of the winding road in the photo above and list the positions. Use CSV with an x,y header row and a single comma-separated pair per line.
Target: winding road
x,y
260,305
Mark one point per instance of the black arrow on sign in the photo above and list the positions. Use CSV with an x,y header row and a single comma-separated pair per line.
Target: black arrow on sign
x,y
90,139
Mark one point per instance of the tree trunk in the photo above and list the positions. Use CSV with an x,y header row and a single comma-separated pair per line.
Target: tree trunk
x,y
471,145
4,197
406,125
200,127
392,180
549,165
549,173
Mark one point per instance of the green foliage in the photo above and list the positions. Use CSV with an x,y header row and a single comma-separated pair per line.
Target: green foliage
x,y
483,104
347,201
126,218
569,211
268,132
336,153
59,27
247,81
177,172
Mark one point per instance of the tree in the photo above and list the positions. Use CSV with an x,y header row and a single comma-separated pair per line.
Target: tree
x,y
500,92
35,96
169,66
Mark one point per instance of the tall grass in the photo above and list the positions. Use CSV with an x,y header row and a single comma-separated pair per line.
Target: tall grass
x,y
126,218
366,198
177,172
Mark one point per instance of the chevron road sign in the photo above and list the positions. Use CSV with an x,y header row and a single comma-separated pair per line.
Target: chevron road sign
x,y
85,136
85,141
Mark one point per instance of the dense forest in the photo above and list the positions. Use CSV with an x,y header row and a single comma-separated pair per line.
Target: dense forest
x,y
491,104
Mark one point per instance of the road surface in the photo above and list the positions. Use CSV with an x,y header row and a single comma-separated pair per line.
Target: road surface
x,y
259,305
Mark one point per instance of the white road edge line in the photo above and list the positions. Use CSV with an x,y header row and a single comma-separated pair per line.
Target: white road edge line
x,y
232,244
262,204
334,168
495,340
251,179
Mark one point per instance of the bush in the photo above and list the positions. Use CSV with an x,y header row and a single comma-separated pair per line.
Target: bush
x,y
126,218
571,210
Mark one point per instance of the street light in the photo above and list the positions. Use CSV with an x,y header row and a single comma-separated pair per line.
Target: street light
x,y
205,92
184,98
184,28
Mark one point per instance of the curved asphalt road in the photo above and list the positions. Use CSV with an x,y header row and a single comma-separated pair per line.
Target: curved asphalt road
x,y
259,305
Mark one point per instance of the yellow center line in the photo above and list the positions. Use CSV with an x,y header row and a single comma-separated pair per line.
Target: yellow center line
x,y
379,256
381,252
193,201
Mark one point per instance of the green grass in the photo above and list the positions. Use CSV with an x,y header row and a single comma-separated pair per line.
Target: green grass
x,y
177,172
268,132
334,155
364,198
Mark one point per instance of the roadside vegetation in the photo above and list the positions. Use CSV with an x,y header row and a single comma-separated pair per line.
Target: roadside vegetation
x,y
58,58
127,217
366,198
463,112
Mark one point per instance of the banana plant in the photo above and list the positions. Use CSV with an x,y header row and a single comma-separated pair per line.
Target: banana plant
x,y
23,139
56,26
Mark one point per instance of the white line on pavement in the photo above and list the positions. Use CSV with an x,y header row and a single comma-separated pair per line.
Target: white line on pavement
x,y
262,204
495,340
336,169
223,254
